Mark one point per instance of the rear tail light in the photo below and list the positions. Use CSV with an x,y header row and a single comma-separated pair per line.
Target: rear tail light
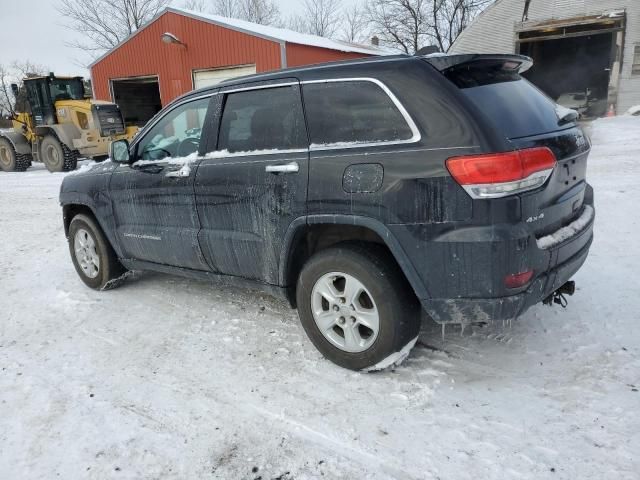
x,y
517,280
497,175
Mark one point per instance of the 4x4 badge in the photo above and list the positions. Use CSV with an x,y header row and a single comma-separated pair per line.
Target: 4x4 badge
x,y
536,218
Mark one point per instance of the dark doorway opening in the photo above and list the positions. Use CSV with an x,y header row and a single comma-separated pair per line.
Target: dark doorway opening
x,y
138,98
573,71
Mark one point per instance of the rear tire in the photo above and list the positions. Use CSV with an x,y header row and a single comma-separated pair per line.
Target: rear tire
x,y
10,160
356,307
56,156
93,257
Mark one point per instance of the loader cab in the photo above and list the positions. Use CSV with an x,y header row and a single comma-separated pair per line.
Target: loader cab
x,y
43,92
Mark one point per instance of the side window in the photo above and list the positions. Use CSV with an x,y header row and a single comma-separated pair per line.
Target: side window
x,y
177,134
352,112
264,119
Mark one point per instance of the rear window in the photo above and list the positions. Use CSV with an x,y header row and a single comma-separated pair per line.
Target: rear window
x,y
351,112
515,105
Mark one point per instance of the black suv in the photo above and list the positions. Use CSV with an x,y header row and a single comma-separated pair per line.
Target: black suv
x,y
362,191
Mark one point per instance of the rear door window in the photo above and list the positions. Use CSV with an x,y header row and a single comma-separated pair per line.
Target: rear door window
x,y
263,119
352,112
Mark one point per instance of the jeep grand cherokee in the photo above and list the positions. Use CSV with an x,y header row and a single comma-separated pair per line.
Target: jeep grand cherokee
x,y
362,191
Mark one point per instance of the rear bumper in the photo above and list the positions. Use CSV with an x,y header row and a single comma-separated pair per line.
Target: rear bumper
x,y
467,310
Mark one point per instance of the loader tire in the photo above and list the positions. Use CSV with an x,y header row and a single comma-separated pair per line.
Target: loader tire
x,y
10,160
57,156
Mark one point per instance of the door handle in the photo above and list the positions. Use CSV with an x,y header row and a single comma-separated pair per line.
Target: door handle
x,y
178,173
292,167
151,168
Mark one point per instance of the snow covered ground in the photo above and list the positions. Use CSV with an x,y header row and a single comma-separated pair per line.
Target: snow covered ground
x,y
171,378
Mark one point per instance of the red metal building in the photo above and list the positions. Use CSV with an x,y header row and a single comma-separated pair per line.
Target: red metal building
x,y
181,50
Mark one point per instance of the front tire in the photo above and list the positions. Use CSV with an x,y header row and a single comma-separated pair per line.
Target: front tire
x,y
56,156
357,308
93,258
10,160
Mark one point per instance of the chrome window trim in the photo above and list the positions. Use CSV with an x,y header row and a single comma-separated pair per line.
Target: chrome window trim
x,y
415,137
255,87
145,130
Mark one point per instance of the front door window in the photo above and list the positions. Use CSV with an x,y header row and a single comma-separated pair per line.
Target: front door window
x,y
177,134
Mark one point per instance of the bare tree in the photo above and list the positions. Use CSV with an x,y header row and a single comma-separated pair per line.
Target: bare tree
x,y
226,8
105,23
411,24
451,17
15,73
196,5
318,17
6,96
399,23
355,24
264,12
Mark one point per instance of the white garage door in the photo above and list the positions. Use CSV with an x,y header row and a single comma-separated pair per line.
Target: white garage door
x,y
205,78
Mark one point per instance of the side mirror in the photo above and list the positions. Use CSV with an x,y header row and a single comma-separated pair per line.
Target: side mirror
x,y
14,89
119,151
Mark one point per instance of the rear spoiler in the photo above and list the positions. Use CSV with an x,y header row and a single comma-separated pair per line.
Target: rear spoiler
x,y
519,63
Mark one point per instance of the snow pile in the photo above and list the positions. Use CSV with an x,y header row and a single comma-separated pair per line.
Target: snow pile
x,y
635,110
269,151
83,168
90,166
613,14
395,359
564,112
565,233
321,146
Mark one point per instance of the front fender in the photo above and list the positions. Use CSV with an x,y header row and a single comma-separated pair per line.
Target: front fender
x,y
90,191
19,142
66,133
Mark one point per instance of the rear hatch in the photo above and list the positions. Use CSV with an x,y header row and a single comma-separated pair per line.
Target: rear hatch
x,y
527,118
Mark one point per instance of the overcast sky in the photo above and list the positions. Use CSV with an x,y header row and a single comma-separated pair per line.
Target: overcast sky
x,y
34,30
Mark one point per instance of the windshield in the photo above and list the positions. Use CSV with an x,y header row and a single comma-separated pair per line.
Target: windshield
x,y
66,89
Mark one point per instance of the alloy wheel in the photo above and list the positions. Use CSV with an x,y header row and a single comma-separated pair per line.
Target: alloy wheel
x,y
86,253
345,312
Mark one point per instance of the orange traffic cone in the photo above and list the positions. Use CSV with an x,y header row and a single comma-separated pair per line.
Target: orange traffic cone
x,y
611,112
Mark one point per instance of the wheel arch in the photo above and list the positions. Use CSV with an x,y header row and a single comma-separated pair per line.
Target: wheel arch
x,y
75,207
295,250
20,143
70,210
65,133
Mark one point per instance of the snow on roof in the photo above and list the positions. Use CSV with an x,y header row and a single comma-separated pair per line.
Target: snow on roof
x,y
280,34
263,31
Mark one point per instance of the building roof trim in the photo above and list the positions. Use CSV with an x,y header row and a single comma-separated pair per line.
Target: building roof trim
x,y
279,35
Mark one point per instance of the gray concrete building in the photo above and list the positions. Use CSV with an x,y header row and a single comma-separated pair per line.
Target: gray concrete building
x,y
586,52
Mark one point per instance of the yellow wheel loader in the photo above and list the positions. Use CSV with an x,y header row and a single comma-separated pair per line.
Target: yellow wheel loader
x,y
59,126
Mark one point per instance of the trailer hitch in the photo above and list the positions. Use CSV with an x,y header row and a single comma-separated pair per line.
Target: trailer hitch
x,y
558,296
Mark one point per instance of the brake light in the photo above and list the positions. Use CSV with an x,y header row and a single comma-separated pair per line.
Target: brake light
x,y
500,174
517,280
